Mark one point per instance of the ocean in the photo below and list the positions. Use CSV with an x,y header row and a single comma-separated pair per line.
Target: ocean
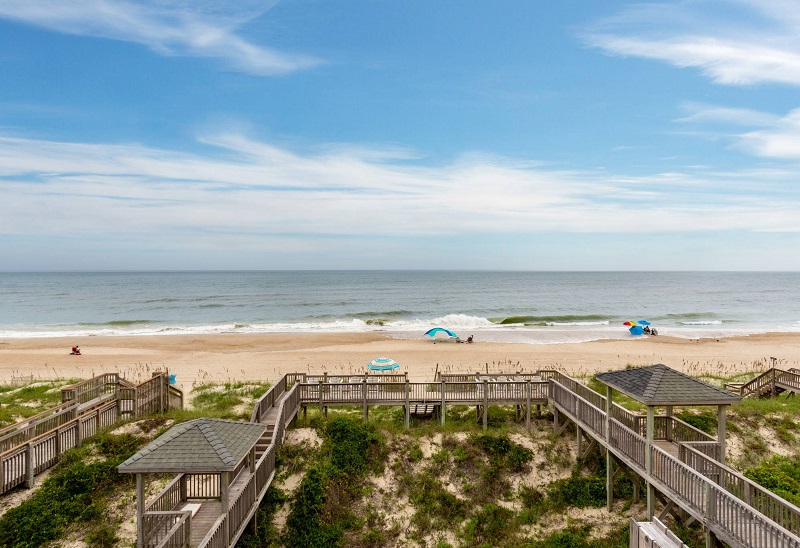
x,y
525,307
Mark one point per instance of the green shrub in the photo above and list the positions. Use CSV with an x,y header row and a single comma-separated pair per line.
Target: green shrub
x,y
489,526
73,492
781,475
706,421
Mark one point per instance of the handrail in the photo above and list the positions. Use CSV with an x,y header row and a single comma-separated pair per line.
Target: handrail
x,y
696,490
779,510
767,379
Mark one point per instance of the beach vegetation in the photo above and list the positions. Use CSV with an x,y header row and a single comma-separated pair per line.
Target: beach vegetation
x,y
229,400
321,509
76,493
779,474
18,402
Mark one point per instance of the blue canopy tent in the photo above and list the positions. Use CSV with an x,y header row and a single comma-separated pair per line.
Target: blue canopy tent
x,y
383,364
437,330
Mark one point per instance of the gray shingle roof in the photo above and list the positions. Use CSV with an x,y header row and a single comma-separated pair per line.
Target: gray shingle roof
x,y
661,385
200,445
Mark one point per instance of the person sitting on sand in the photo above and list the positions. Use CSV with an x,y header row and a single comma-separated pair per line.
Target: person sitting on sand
x,y
76,351
654,331
469,339
647,329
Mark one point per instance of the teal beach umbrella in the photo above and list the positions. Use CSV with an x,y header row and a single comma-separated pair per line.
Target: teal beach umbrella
x,y
383,364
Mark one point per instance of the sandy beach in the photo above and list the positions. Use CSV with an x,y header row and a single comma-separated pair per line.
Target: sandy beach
x,y
220,358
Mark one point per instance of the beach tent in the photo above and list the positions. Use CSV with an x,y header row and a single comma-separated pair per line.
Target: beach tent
x,y
383,364
432,333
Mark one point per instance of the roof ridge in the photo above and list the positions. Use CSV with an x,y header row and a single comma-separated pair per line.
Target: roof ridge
x,y
656,377
216,443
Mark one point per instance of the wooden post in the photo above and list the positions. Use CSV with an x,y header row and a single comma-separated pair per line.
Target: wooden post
x,y
669,423
78,432
253,460
224,481
319,384
721,432
709,516
485,403
183,489
364,394
139,510
29,466
609,464
443,410
555,418
408,404
648,460
528,404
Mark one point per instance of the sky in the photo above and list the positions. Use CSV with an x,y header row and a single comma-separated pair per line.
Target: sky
x,y
399,134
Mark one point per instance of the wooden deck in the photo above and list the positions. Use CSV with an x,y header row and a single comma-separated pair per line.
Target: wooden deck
x,y
737,511
680,465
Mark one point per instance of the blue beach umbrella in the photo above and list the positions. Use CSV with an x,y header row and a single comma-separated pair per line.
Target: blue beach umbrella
x,y
383,364
642,322
436,330
636,330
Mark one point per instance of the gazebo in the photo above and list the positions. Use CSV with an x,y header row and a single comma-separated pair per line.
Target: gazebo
x,y
207,454
661,386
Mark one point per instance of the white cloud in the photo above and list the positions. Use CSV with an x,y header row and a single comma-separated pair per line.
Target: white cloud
x,y
702,113
736,42
169,27
257,192
781,140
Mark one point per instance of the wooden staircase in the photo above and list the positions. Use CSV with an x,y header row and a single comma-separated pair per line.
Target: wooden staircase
x,y
768,384
263,442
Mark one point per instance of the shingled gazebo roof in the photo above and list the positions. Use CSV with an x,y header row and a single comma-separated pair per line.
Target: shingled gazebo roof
x,y
659,385
197,446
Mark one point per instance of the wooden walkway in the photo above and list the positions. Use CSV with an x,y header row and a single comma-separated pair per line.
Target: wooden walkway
x,y
33,445
681,465
736,510
771,383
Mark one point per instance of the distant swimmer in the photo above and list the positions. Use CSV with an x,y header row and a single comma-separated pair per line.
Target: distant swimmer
x,y
76,351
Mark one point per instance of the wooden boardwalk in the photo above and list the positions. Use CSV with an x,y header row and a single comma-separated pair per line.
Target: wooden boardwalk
x,y
771,383
31,446
684,468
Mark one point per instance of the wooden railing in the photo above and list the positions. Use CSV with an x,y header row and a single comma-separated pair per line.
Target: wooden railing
x,y
768,503
91,388
19,465
768,381
33,445
16,434
733,519
230,525
174,528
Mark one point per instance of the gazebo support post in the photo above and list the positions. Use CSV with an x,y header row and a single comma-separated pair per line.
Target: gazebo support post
x,y
139,510
669,423
721,432
609,464
224,484
648,460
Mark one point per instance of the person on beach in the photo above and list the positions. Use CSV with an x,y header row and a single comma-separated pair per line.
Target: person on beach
x,y
76,351
469,339
647,330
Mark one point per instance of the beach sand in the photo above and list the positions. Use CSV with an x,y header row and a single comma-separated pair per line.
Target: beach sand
x,y
231,357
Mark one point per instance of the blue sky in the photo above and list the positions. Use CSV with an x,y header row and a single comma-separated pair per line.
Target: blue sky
x,y
457,134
